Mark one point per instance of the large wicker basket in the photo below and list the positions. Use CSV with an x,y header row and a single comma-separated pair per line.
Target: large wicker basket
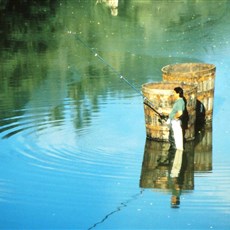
x,y
160,95
201,74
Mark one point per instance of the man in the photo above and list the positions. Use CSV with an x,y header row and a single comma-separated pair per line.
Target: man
x,y
176,138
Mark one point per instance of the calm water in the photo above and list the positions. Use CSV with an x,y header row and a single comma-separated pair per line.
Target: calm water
x,y
74,153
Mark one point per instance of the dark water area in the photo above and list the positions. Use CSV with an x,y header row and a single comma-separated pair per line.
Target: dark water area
x,y
73,147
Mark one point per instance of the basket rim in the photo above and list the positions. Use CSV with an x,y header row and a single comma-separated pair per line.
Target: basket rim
x,y
190,87
173,83
209,67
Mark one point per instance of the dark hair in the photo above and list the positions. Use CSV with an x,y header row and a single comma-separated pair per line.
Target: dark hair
x,y
179,90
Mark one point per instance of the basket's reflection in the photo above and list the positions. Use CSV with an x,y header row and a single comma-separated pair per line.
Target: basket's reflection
x,y
157,166
174,174
203,151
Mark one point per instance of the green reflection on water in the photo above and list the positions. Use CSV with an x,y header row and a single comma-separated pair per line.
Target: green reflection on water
x,y
40,60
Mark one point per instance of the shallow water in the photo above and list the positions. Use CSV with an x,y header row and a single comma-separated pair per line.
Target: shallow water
x,y
74,153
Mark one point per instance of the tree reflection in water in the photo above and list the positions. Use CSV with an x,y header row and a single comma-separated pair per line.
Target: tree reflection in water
x,y
111,4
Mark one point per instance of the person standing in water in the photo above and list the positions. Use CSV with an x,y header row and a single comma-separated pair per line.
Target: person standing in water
x,y
176,133
177,120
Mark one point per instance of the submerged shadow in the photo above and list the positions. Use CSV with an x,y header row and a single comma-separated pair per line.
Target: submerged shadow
x,y
200,116
203,150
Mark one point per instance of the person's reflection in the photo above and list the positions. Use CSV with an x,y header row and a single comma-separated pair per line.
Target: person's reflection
x,y
176,192
162,174
175,179
177,161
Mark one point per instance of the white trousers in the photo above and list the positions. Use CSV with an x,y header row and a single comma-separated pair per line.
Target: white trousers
x,y
178,134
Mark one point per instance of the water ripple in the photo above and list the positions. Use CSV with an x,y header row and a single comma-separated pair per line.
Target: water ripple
x,y
67,159
56,145
5,190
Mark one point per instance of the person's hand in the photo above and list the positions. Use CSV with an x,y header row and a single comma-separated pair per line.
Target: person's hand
x,y
168,121
160,110
164,117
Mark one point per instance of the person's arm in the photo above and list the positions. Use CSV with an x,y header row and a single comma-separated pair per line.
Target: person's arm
x,y
178,114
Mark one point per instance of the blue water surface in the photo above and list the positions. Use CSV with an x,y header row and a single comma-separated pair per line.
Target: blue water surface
x,y
72,138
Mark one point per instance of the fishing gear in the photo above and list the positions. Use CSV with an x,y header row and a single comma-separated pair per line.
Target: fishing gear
x,y
146,101
161,115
